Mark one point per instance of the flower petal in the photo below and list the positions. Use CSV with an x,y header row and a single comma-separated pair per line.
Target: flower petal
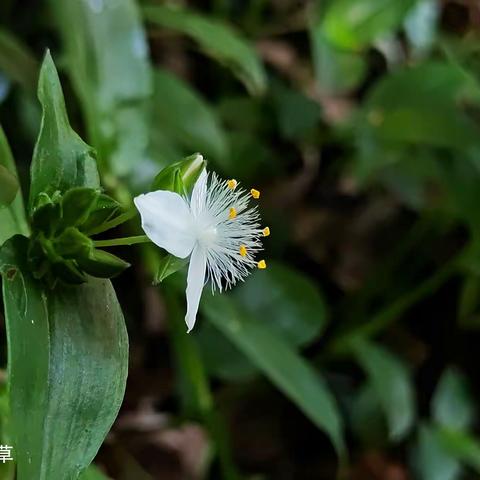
x,y
199,194
195,282
167,221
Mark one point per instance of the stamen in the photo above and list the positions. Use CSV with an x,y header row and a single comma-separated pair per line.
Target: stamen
x,y
232,214
266,231
262,264
243,250
255,193
232,184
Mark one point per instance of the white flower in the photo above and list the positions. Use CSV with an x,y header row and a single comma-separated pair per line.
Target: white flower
x,y
215,227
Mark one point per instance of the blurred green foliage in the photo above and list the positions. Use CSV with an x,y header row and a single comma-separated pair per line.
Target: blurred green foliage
x,y
359,121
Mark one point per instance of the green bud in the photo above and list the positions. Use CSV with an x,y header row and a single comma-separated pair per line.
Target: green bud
x,y
180,177
105,210
102,264
77,204
46,215
72,244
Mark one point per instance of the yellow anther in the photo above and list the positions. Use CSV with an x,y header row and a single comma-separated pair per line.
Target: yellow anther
x,y
266,231
232,184
261,264
243,250
232,214
255,193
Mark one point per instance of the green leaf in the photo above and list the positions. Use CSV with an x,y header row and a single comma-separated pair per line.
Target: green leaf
x,y
286,301
181,114
107,60
354,24
431,460
452,404
12,218
336,70
297,115
73,389
289,372
61,159
93,473
420,105
17,62
221,357
216,39
461,446
8,186
392,383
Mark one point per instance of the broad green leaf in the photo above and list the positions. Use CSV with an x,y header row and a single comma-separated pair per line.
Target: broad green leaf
x,y
452,404
17,62
287,370
366,423
336,69
354,24
68,358
61,159
431,460
286,301
221,357
297,115
12,218
392,383
93,473
419,105
216,39
461,446
107,60
181,114
8,186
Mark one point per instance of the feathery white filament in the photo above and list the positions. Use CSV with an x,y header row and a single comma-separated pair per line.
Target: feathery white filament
x,y
220,236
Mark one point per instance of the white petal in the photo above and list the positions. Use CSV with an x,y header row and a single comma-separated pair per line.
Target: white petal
x,y
199,194
167,221
195,282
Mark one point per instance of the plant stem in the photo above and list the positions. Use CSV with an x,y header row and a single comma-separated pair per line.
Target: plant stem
x,y
124,217
114,242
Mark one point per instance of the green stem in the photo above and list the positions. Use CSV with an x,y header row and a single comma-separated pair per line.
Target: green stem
x,y
195,389
115,242
124,217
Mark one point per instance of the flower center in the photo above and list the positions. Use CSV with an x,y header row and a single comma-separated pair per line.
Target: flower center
x,y
207,236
